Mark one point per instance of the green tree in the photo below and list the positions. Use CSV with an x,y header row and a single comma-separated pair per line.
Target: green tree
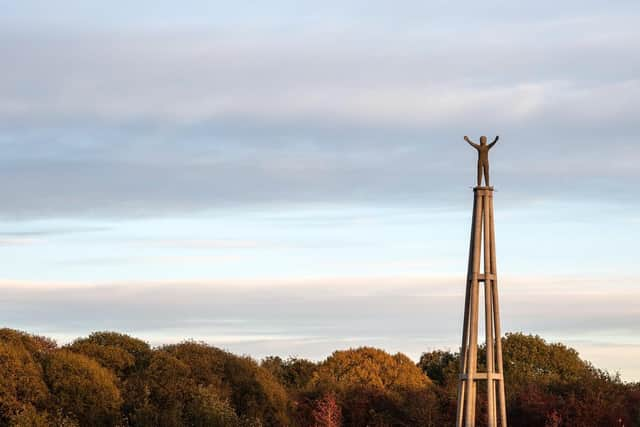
x,y
293,373
206,409
443,368
530,359
440,366
549,383
252,391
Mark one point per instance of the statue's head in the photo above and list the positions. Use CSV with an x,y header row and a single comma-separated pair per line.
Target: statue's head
x,y
483,140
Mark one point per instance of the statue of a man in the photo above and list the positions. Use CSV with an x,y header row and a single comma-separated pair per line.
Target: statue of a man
x,y
483,157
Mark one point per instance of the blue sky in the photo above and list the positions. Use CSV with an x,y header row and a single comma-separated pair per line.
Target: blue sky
x,y
290,178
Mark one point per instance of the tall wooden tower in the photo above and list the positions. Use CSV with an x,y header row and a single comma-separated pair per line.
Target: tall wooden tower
x,y
482,247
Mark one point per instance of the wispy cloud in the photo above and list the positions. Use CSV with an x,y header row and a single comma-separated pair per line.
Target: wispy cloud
x,y
202,243
311,316
165,260
48,232
17,241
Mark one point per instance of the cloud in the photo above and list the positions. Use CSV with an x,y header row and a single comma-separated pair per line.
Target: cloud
x,y
48,232
163,260
312,316
203,244
422,80
168,121
13,242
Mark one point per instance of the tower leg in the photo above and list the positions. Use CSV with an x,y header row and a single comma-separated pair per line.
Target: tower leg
x,y
464,347
496,314
488,312
472,359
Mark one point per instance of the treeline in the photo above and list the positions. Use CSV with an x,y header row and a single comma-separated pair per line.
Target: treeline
x,y
110,379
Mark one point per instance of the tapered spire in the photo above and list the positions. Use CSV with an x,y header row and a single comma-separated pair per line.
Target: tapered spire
x,y
481,270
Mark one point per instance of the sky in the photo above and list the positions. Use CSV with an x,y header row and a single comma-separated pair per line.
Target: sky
x,y
290,178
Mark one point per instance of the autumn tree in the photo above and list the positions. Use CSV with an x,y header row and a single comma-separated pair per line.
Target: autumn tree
x,y
195,384
22,385
114,350
327,412
82,388
373,387
34,344
128,358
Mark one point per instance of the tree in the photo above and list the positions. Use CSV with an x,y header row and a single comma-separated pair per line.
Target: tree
x,y
293,373
22,385
170,386
327,412
82,388
116,351
194,384
206,364
252,391
29,416
530,359
371,368
549,383
113,358
128,358
440,366
208,410
34,344
373,387
255,393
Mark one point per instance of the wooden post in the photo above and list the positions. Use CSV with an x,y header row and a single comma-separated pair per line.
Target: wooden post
x,y
496,315
488,313
465,328
472,328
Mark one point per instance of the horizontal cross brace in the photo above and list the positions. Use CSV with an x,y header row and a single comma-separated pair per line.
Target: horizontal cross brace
x,y
483,277
483,376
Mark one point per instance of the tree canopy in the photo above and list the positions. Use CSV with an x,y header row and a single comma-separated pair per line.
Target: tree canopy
x,y
111,379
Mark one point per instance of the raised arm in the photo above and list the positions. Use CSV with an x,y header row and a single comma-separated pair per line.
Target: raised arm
x,y
494,142
476,146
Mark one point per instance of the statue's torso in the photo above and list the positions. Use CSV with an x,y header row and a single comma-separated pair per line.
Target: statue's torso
x,y
483,153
